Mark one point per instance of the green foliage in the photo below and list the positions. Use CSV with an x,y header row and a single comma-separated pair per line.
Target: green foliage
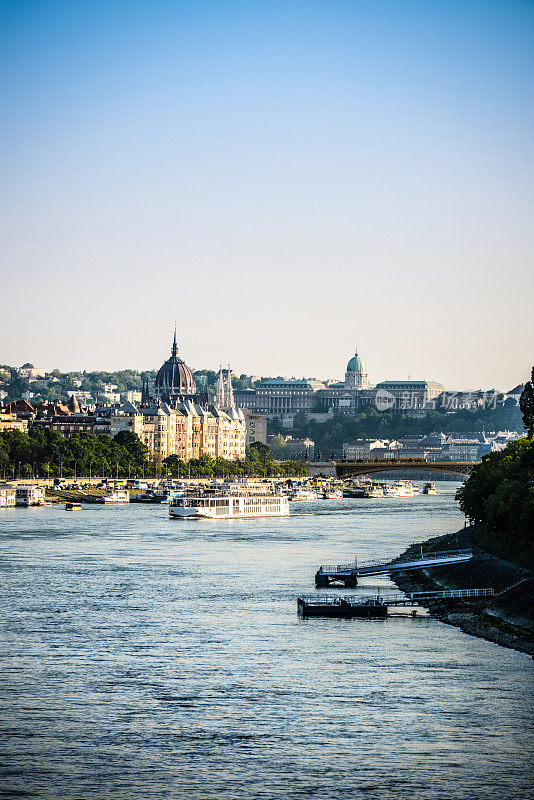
x,y
43,452
133,444
369,422
499,495
526,404
258,461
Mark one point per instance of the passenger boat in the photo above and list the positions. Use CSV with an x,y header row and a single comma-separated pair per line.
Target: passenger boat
x,y
429,488
151,496
401,489
332,494
229,506
117,496
73,506
373,491
301,495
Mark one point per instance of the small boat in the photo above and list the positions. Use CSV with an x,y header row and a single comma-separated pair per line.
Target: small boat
x,y
73,506
429,488
151,496
118,496
354,491
332,494
373,491
303,495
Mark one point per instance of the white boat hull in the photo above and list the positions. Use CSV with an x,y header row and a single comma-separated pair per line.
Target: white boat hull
x,y
229,507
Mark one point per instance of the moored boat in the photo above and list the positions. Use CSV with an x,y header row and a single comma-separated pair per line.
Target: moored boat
x,y
303,495
229,506
373,491
117,497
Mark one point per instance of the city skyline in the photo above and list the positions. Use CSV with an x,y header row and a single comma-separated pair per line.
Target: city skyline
x,y
286,182
295,374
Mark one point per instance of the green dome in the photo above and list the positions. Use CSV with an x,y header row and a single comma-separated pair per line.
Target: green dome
x,y
356,364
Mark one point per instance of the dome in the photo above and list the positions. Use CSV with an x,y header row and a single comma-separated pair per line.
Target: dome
x,y
356,364
174,377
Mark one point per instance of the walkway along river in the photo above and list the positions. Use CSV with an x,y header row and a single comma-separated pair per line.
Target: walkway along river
x,y
148,658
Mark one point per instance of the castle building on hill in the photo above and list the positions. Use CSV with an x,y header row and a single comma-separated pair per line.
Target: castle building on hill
x,y
282,398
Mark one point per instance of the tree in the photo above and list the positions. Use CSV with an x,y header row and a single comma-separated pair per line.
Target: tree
x,y
133,444
499,496
526,404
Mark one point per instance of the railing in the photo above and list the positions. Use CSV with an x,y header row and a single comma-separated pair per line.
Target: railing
x,y
338,568
336,600
387,599
348,461
428,556
452,593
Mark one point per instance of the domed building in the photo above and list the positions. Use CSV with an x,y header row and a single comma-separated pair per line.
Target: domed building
x,y
356,374
175,420
174,378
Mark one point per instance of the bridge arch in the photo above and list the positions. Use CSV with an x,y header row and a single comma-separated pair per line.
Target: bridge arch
x,y
348,468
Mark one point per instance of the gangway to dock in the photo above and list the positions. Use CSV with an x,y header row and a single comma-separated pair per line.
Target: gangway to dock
x,y
381,605
348,574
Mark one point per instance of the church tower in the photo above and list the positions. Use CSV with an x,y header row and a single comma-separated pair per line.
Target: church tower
x,y
224,397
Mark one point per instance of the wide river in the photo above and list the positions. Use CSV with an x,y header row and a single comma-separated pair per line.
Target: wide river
x,y
144,657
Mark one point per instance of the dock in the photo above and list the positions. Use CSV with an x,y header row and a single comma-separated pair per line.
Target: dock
x,y
347,574
382,606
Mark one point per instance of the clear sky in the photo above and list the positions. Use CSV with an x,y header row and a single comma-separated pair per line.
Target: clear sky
x,y
286,180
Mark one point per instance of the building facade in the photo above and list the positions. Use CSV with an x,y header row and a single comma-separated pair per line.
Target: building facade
x,y
175,420
281,398
256,427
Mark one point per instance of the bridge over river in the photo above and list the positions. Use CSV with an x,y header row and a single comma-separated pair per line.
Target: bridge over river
x,y
348,467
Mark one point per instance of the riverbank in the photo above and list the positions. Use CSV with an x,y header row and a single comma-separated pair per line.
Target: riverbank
x,y
506,619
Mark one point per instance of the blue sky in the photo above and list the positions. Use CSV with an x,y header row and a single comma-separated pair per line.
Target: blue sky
x,y
286,180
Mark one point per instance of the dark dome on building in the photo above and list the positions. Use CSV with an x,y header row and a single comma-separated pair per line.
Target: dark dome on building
x,y
174,378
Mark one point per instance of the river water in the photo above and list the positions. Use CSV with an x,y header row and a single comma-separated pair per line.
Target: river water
x,y
145,657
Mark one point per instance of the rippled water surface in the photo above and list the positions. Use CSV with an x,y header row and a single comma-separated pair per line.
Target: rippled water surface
x,y
152,658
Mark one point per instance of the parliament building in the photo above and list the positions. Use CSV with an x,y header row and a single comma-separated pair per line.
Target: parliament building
x,y
176,420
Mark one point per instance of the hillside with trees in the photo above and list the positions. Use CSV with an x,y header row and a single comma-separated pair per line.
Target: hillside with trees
x,y
329,436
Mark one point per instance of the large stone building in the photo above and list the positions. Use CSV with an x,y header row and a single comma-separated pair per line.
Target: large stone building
x,y
175,420
256,427
10,421
282,398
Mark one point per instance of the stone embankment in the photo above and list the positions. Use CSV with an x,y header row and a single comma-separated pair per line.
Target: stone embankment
x,y
507,618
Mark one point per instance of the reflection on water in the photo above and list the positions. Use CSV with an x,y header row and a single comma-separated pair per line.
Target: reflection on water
x,y
154,658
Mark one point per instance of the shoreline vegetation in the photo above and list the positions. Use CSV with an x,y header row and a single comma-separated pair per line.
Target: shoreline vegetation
x,y
45,453
506,619
498,501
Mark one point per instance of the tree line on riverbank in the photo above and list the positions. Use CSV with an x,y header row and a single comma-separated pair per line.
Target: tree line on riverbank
x,y
258,461
499,494
43,453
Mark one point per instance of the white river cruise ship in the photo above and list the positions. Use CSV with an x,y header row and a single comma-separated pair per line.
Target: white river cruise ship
x,y
229,506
